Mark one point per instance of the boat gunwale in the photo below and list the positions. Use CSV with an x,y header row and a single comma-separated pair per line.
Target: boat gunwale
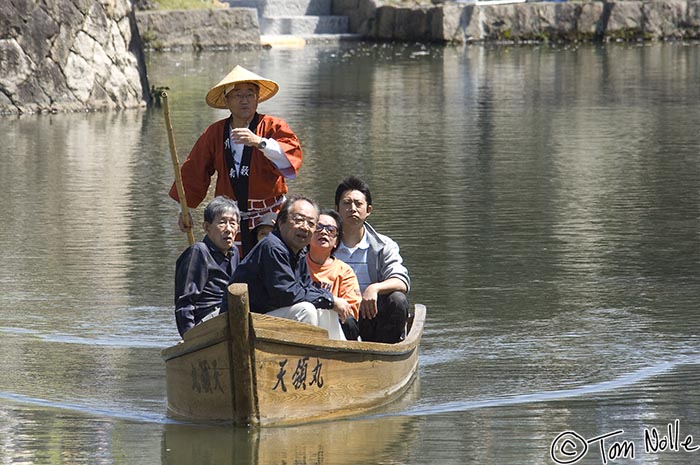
x,y
267,335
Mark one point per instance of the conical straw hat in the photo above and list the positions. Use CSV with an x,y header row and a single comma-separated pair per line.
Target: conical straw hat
x,y
215,96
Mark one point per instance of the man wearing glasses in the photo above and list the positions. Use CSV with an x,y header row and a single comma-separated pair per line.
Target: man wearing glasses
x,y
252,153
278,277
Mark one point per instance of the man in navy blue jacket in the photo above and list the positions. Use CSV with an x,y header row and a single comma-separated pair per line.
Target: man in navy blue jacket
x,y
276,272
203,270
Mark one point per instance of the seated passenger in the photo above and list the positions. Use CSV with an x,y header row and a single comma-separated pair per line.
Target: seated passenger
x,y
263,227
377,262
328,272
278,277
203,270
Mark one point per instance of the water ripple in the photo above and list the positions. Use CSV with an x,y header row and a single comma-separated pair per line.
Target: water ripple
x,y
137,416
547,396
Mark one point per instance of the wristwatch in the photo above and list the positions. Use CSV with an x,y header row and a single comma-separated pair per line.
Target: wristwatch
x,y
262,144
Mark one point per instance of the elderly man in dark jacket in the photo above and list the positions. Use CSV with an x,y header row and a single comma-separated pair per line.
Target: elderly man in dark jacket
x,y
203,270
278,277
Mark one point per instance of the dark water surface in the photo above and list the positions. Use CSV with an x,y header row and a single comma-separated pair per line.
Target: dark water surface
x,y
547,204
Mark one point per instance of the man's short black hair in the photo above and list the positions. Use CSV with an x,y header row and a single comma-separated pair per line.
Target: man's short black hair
x,y
220,205
352,183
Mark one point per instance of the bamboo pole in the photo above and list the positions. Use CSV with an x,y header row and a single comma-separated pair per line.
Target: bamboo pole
x,y
176,168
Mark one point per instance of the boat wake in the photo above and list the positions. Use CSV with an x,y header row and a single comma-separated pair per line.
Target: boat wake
x,y
547,396
627,380
128,341
135,416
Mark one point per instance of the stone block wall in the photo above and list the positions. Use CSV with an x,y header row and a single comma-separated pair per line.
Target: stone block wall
x,y
70,55
80,55
199,29
361,14
537,21
276,8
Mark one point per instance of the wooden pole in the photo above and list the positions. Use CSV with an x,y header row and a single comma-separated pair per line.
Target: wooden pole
x,y
176,167
245,412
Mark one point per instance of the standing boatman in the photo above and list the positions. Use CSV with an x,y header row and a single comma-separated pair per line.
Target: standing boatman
x,y
253,154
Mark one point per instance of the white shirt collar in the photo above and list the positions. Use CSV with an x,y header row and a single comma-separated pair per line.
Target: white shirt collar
x,y
363,244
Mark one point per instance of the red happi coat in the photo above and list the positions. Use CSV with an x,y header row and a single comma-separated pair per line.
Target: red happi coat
x,y
265,182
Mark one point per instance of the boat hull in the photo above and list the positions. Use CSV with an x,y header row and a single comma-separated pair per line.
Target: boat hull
x,y
253,369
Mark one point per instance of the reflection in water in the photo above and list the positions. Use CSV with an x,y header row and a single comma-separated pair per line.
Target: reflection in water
x,y
46,436
336,443
70,202
546,204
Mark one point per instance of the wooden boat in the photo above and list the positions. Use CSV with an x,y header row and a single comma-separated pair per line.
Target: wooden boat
x,y
252,369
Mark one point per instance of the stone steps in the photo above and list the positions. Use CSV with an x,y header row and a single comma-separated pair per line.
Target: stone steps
x,y
303,25
277,8
295,17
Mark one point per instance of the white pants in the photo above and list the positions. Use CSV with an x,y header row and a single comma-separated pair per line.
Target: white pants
x,y
307,313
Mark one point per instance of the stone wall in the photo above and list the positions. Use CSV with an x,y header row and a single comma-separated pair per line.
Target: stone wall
x,y
199,29
540,21
81,55
361,14
69,55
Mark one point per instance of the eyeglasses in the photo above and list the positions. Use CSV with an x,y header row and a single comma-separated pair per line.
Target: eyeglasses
x,y
301,220
239,96
329,228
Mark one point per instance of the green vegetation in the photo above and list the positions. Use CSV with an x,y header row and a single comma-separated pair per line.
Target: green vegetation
x,y
150,40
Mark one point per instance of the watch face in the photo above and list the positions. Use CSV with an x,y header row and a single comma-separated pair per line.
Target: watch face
x,y
262,144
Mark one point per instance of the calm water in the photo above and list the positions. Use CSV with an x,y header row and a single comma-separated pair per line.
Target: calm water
x,y
547,202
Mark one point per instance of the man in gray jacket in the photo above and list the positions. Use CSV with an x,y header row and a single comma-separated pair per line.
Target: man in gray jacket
x,y
376,260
